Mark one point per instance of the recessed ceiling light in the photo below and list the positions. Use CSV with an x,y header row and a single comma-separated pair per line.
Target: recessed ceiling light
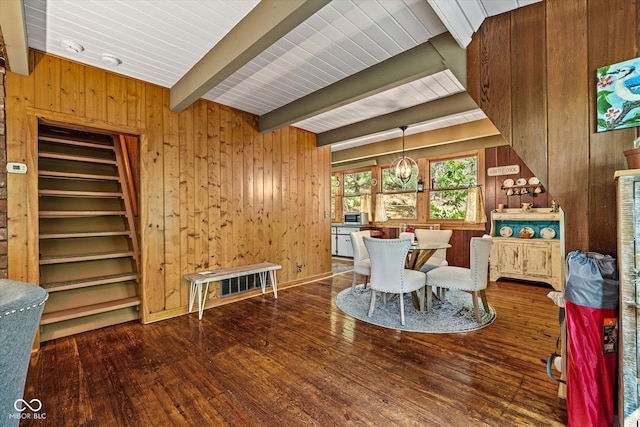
x,y
71,46
111,60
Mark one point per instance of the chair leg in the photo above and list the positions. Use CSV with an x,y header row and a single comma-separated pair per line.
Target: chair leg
x,y
485,304
372,304
429,291
366,280
421,297
476,306
353,284
401,309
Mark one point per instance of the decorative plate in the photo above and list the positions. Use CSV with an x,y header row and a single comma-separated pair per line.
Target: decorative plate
x,y
534,181
506,232
507,183
548,233
521,181
527,230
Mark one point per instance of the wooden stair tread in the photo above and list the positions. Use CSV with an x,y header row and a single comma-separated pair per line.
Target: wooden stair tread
x,y
61,259
76,176
77,214
88,282
80,234
84,187
88,310
76,158
81,194
75,143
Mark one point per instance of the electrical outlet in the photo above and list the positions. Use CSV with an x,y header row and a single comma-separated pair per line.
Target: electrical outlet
x,y
299,268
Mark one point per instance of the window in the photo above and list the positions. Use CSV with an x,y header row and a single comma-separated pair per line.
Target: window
x,y
450,181
356,189
400,202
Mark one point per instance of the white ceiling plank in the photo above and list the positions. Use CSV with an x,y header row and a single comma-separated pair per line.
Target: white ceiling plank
x,y
454,19
454,104
158,42
411,65
14,32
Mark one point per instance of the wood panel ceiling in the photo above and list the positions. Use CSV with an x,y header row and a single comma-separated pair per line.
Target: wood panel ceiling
x,y
351,71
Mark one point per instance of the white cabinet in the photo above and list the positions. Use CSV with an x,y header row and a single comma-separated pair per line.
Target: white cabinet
x,y
344,245
628,203
334,240
341,238
535,259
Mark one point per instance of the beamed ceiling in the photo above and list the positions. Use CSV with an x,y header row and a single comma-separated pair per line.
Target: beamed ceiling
x,y
350,71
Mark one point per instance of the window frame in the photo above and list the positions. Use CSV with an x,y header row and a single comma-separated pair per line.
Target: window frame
x,y
480,180
423,198
356,171
409,190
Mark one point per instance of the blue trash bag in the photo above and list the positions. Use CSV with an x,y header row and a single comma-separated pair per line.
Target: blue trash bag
x,y
591,280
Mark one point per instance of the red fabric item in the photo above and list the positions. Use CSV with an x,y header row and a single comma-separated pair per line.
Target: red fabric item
x,y
591,373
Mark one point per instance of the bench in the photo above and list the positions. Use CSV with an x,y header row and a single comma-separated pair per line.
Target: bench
x,y
206,277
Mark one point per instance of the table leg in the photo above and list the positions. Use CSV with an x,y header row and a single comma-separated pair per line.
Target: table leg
x,y
415,261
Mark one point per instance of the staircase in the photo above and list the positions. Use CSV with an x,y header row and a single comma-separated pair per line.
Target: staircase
x,y
88,245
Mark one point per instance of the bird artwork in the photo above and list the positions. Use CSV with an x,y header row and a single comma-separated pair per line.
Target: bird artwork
x,y
618,95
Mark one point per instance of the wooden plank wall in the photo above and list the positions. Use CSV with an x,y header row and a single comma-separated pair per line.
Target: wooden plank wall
x,y
493,195
532,71
214,192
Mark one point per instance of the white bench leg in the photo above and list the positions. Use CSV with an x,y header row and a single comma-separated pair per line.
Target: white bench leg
x,y
192,295
274,283
201,299
196,290
263,281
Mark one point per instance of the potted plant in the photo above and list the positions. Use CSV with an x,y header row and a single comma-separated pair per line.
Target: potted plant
x,y
633,155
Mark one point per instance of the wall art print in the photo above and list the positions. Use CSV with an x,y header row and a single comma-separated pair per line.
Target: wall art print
x,y
618,95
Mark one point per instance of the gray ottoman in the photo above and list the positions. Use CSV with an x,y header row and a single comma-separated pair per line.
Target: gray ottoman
x,y
21,306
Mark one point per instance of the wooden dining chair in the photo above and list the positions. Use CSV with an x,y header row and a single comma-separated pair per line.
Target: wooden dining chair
x,y
388,272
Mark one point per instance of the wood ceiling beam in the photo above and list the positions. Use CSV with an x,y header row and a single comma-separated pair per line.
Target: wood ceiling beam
x,y
268,22
464,137
453,104
14,34
438,54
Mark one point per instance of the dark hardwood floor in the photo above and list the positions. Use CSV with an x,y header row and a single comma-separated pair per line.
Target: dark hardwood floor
x,y
301,361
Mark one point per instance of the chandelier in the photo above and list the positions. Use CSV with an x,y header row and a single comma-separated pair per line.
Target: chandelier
x,y
403,166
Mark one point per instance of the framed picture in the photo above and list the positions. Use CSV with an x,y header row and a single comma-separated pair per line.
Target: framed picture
x,y
618,95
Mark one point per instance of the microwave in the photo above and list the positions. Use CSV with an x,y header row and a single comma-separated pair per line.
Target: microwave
x,y
359,218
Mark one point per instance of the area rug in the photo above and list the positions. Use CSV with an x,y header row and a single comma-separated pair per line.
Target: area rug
x,y
339,266
455,314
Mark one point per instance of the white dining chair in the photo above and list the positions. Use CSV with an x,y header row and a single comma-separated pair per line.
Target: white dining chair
x,y
407,235
439,258
361,262
473,279
388,274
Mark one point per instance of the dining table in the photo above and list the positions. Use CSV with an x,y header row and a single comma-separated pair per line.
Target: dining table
x,y
419,254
